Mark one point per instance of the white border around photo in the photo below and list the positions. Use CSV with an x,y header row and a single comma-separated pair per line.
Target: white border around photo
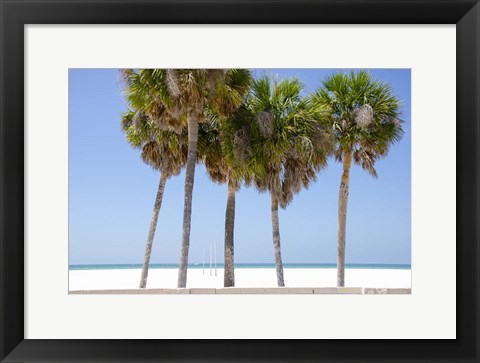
x,y
429,312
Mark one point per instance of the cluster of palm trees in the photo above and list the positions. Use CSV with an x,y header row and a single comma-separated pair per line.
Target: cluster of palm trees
x,y
259,132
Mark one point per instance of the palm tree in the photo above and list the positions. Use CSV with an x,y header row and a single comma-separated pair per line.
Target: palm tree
x,y
223,91
153,113
175,98
163,150
225,158
364,115
291,146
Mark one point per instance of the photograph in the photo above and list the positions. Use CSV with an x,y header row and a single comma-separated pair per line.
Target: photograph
x,y
239,181
315,163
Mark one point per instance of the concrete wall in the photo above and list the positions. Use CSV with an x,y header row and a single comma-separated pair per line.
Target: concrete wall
x,y
255,290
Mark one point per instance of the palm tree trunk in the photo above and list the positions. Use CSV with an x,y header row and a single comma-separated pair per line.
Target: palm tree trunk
x,y
342,218
151,231
229,273
276,242
187,208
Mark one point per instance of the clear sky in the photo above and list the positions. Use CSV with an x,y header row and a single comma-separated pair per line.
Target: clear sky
x,y
111,193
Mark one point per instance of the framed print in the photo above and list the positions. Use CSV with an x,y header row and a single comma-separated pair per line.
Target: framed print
x,y
100,110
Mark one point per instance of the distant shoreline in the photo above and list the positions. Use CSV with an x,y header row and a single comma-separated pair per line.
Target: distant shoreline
x,y
240,266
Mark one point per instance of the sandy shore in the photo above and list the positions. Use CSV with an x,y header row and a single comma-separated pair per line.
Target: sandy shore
x,y
244,277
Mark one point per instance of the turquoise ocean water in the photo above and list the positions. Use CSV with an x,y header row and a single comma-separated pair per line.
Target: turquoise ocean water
x,y
242,265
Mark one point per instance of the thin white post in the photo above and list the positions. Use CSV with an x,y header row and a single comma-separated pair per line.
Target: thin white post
x,y
215,246
203,261
210,259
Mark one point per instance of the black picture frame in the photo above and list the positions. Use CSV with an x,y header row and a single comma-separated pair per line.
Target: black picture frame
x,y
15,14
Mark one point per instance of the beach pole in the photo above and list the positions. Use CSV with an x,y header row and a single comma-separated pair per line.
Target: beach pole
x,y
203,261
210,259
215,246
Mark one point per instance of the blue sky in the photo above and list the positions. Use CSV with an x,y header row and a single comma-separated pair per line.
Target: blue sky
x,y
111,193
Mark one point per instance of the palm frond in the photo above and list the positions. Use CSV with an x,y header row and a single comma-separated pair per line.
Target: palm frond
x,y
364,115
291,140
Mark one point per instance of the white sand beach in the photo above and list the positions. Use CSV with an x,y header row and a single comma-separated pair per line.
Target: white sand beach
x,y
244,277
